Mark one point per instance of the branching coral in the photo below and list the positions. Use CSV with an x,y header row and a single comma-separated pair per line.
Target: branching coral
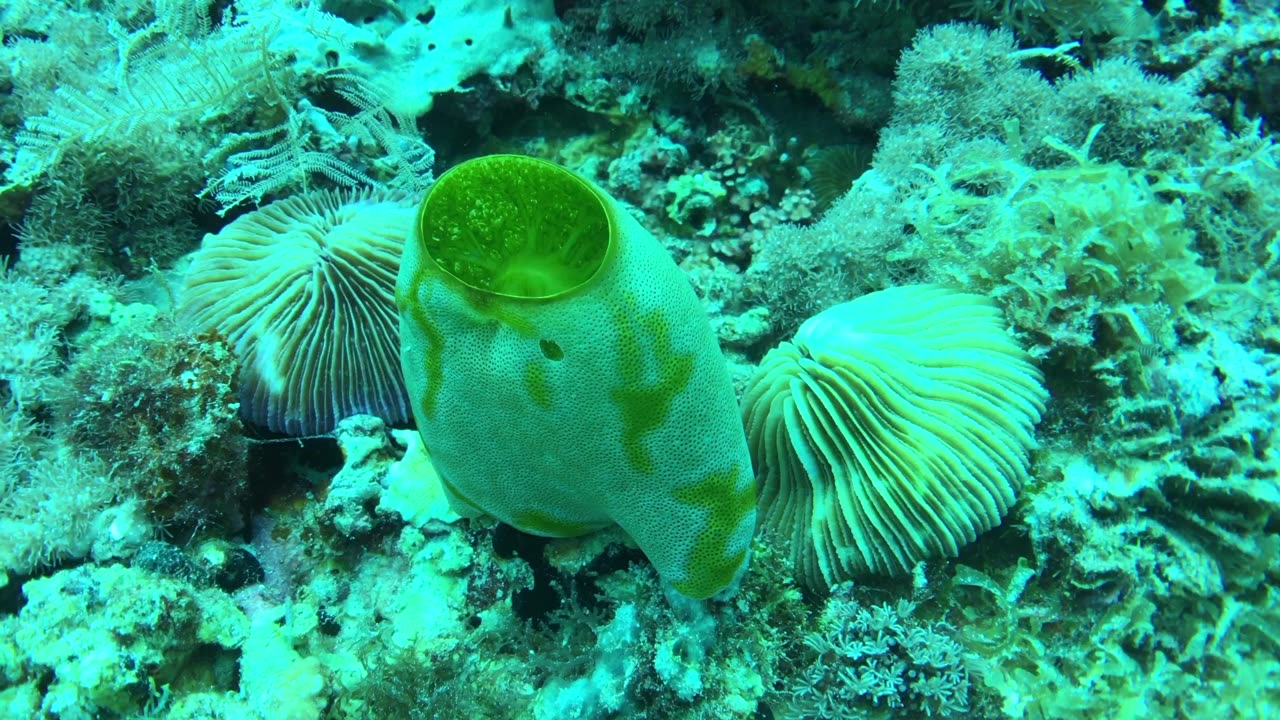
x,y
694,47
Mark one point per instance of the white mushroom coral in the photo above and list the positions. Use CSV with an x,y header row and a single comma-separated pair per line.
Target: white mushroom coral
x,y
893,428
303,289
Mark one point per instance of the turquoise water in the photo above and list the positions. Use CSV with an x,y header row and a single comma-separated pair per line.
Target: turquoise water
x,y
843,360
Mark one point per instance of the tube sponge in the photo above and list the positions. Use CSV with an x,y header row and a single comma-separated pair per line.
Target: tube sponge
x,y
893,428
563,375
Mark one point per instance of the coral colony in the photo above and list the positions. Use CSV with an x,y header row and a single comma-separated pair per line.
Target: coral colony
x,y
612,359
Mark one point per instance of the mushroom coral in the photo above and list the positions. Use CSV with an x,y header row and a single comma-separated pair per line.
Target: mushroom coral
x,y
893,428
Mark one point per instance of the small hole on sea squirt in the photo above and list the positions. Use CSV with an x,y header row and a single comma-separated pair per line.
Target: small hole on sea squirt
x,y
550,350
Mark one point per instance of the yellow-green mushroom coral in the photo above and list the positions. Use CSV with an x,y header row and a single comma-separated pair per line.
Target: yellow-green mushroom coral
x,y
892,429
563,375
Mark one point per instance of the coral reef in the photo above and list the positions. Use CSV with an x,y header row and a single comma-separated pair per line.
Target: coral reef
x,y
1103,173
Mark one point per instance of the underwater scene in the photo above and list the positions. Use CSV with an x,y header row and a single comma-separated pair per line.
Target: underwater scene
x,y
591,359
